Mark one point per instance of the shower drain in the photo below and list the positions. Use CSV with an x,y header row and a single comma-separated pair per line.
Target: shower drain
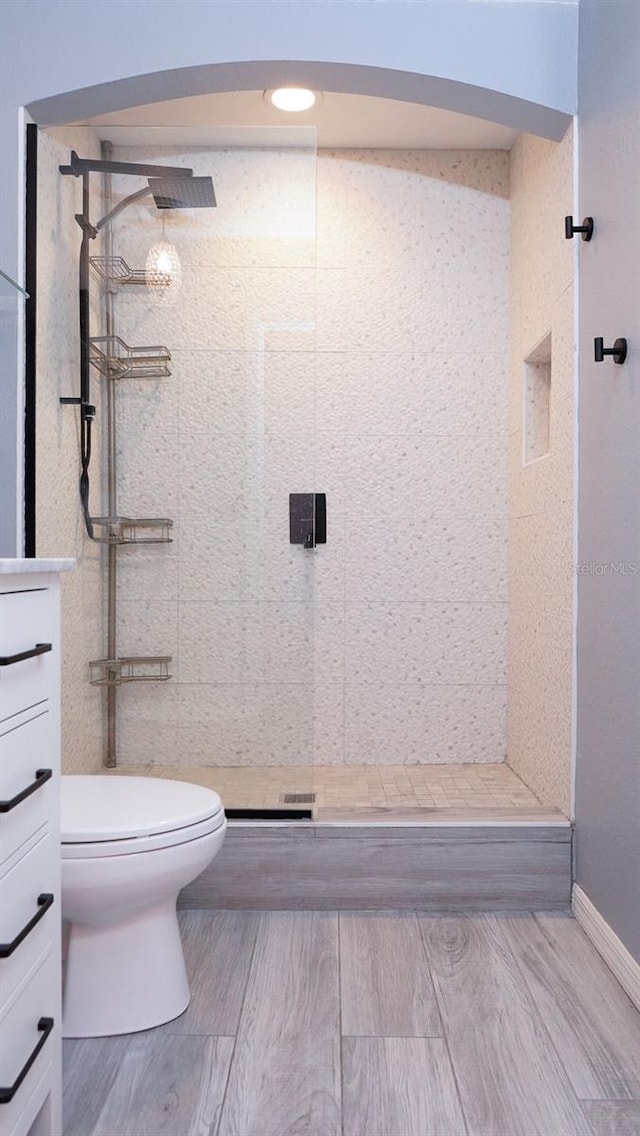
x,y
298,798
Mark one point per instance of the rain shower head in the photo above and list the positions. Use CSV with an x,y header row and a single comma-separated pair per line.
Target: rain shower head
x,y
182,192
173,187
175,190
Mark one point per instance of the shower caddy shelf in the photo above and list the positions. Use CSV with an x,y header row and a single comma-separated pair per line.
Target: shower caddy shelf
x,y
131,668
132,530
114,359
111,356
172,187
115,270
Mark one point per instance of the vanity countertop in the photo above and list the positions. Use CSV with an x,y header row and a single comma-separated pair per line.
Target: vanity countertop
x,y
9,567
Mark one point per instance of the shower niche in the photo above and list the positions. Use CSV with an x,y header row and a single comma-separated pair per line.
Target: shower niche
x,y
537,402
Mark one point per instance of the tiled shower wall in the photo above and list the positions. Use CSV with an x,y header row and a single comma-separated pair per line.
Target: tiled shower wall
x,y
541,574
376,372
60,529
411,378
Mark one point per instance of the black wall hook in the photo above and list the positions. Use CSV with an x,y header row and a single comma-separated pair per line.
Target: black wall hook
x,y
586,228
619,350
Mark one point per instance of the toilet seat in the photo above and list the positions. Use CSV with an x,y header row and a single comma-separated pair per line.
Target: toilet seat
x,y
119,816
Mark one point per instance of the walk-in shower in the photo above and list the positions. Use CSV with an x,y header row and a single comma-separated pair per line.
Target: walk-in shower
x,y
311,561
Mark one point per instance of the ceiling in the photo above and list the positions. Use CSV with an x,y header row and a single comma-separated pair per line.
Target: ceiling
x,y
342,122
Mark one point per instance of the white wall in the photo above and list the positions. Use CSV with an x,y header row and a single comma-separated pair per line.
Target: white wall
x,y
608,726
541,493
377,375
509,62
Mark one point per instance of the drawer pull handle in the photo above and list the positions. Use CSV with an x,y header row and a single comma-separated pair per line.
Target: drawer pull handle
x,y
45,1025
45,901
42,775
39,649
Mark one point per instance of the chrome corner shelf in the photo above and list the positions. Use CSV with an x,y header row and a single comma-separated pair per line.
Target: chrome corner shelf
x,y
140,668
115,270
113,357
132,530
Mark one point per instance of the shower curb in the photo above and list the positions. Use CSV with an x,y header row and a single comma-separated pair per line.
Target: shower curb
x,y
435,866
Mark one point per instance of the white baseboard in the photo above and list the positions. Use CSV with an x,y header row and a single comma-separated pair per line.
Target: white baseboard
x,y
620,962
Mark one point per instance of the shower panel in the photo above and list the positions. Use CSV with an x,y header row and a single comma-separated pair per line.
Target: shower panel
x,y
219,447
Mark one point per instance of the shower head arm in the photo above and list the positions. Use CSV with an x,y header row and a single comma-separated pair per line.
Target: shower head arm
x,y
126,201
79,166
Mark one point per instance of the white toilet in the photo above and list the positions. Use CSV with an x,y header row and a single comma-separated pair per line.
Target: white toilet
x,y
129,844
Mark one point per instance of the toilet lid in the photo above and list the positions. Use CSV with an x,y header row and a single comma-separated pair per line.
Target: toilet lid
x,y
98,808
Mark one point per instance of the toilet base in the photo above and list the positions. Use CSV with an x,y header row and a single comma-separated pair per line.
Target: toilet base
x,y
125,977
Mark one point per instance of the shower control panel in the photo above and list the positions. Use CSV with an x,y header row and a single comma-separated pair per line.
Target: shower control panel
x,y
308,519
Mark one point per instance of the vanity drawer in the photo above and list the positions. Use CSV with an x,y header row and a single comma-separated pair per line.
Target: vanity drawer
x,y
26,753
19,1116
26,1027
28,902
27,619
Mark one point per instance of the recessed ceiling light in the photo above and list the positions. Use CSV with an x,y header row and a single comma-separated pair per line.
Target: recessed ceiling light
x,y
293,98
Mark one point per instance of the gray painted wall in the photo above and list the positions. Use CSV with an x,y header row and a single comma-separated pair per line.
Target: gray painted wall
x,y
524,50
608,723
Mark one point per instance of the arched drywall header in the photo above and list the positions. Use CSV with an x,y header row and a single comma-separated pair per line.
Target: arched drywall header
x,y
429,90
511,62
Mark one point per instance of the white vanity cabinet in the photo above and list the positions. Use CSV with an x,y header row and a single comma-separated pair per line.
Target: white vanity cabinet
x,y
30,923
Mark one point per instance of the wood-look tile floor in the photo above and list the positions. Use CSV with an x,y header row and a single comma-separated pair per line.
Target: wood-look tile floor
x,y
357,786
373,1024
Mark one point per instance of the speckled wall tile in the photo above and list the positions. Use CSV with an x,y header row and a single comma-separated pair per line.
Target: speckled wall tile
x,y
148,723
371,365
246,724
148,486
372,310
425,642
148,626
541,504
408,393
261,642
218,724
424,477
541,569
545,669
365,401
425,556
388,723
538,734
542,260
152,571
60,530
266,205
